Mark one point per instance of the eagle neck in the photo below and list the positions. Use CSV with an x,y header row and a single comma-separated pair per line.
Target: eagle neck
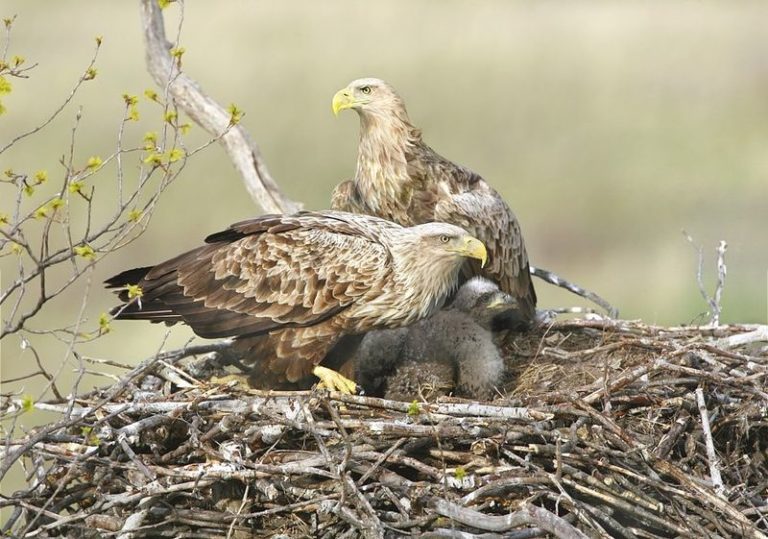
x,y
425,282
386,141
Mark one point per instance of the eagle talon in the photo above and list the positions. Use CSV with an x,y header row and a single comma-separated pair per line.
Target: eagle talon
x,y
334,381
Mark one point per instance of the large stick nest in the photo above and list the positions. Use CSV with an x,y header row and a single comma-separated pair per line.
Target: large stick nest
x,y
606,429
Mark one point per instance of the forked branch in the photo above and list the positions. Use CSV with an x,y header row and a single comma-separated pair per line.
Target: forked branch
x,y
207,113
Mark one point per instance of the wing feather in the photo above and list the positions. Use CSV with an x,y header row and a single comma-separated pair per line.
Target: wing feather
x,y
455,194
265,274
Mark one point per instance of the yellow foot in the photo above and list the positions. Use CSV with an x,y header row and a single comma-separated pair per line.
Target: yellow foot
x,y
236,380
334,381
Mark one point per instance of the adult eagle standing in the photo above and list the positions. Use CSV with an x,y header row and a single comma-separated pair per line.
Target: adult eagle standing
x,y
400,178
290,288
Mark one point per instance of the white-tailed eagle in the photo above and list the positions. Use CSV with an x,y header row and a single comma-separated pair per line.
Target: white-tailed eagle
x,y
400,178
290,288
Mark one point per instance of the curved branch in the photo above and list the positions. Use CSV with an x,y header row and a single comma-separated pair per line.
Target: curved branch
x,y
211,116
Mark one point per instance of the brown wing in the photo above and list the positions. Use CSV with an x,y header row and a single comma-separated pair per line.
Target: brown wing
x,y
457,195
263,275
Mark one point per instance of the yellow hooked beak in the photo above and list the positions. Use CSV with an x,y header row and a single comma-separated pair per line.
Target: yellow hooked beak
x,y
500,301
342,100
474,248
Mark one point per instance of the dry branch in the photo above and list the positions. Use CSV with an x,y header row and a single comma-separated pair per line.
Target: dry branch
x,y
714,462
187,94
600,437
714,301
527,515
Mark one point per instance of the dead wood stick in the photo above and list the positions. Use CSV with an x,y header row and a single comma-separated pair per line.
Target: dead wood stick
x,y
384,477
349,517
286,406
618,492
712,301
57,518
312,429
405,460
714,461
627,442
238,515
445,533
63,521
132,523
587,462
552,278
254,471
189,96
459,408
131,455
419,522
73,416
501,486
721,271
377,427
747,528
114,500
637,512
603,348
637,327
290,507
374,527
699,373
134,429
527,515
759,334
669,440
601,516
380,460
622,381
275,407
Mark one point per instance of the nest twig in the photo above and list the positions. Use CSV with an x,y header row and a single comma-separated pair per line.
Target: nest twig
x,y
605,429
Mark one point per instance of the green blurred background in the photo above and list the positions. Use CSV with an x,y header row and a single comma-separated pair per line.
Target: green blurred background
x,y
608,127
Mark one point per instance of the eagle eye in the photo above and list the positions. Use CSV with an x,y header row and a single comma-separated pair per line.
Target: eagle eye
x,y
366,90
444,239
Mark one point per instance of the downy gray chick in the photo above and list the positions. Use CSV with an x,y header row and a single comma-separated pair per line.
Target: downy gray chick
x,y
452,351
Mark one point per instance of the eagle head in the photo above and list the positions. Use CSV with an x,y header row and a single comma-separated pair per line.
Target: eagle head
x,y
368,96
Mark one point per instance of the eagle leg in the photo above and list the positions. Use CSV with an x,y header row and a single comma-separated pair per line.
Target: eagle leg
x,y
334,381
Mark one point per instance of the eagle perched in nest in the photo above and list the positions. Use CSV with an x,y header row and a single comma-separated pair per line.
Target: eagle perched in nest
x,y
400,178
290,288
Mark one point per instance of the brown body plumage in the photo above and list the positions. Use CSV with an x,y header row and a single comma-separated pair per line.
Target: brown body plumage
x,y
290,288
400,178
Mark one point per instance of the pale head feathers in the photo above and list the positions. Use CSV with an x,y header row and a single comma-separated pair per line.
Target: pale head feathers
x,y
426,263
371,98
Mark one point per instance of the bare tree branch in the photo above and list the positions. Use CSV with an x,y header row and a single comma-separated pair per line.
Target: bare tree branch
x,y
714,462
527,515
211,116
714,300
553,278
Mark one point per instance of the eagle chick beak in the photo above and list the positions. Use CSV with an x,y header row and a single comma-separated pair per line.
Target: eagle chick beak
x,y
342,100
475,248
500,301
